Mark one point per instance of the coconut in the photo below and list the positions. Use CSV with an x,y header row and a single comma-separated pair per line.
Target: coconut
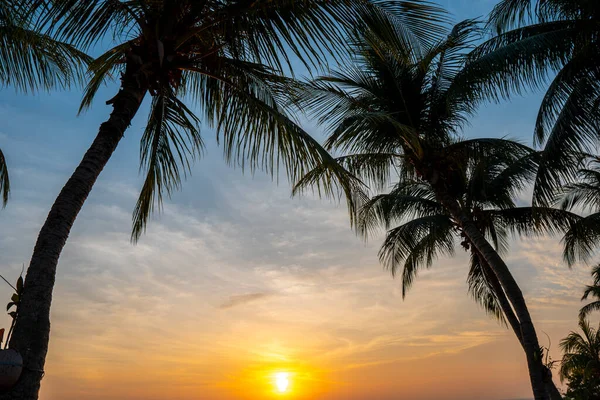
x,y
11,366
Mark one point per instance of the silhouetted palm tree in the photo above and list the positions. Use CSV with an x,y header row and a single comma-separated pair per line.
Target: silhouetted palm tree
x,y
32,61
419,228
400,108
581,360
560,39
227,57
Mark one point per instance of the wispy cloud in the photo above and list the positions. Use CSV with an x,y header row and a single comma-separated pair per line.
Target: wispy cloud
x,y
243,299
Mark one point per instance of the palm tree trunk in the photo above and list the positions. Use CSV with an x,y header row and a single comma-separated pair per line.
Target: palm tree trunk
x,y
32,329
514,323
513,292
537,373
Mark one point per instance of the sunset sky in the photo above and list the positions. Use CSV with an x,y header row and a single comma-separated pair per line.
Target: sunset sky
x,y
236,282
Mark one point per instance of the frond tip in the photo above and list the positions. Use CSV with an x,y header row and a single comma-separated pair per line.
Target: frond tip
x,y
4,180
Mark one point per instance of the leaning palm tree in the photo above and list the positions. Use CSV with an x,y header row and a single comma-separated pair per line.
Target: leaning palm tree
x,y
581,358
228,58
400,108
541,39
419,228
32,61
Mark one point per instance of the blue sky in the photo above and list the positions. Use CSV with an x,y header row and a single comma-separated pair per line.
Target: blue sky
x,y
234,265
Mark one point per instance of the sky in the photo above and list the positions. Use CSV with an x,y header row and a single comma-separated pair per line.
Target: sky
x,y
236,281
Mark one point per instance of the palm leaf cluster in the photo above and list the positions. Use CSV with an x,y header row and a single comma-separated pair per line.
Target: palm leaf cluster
x,y
581,240
389,111
557,41
227,59
32,61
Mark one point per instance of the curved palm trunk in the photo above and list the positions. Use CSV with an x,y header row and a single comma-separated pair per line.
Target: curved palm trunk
x,y
513,293
514,323
32,329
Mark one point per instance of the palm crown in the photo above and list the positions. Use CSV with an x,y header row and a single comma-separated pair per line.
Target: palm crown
x,y
227,57
397,114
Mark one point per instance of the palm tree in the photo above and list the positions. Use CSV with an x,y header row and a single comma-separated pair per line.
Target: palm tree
x,y
32,61
428,230
228,57
581,361
541,39
400,108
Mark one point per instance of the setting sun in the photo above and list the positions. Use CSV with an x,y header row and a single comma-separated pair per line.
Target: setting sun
x,y
282,381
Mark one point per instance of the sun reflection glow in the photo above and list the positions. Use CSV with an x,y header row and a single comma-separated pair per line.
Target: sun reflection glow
x,y
282,381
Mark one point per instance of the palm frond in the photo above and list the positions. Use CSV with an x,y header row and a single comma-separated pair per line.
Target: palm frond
x,y
497,178
581,239
589,308
534,221
331,179
519,60
509,13
596,274
581,194
482,289
574,133
31,61
416,244
570,82
170,142
405,201
310,29
102,69
481,148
